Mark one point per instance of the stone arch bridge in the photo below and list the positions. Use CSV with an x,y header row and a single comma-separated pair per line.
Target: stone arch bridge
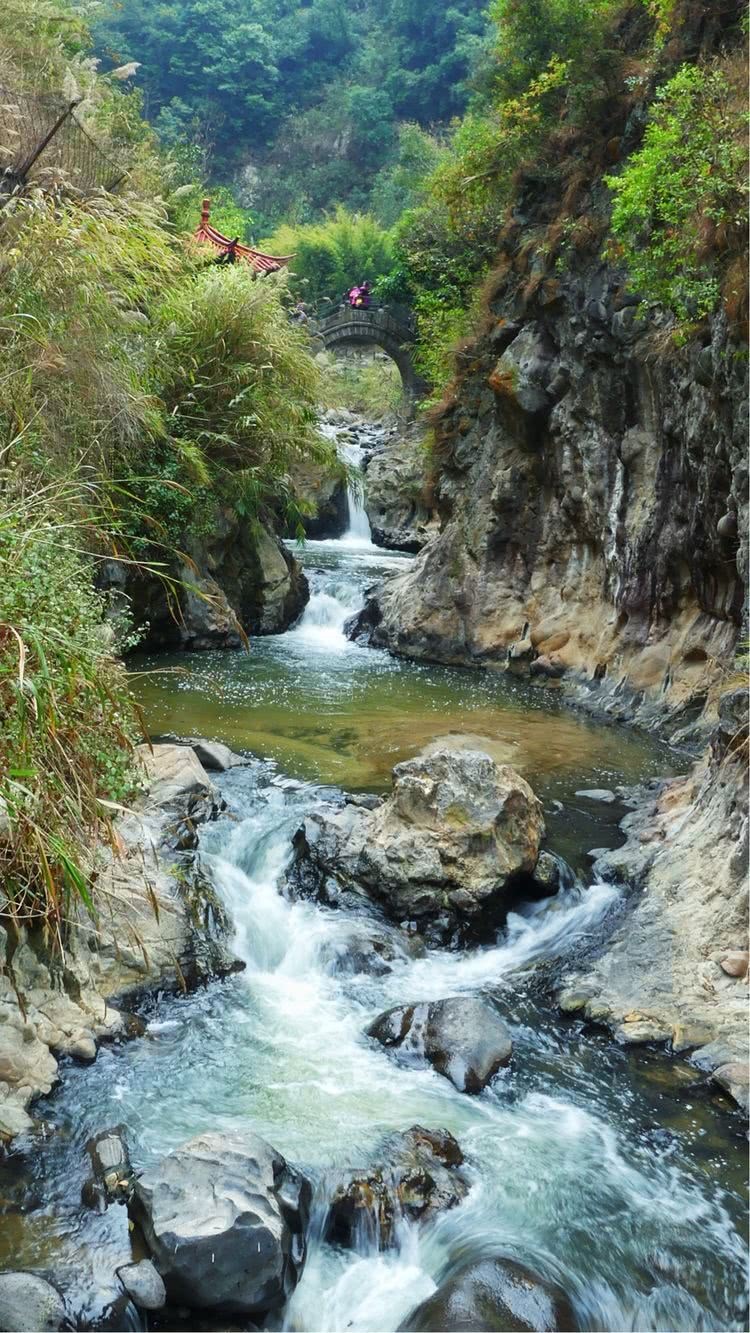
x,y
391,329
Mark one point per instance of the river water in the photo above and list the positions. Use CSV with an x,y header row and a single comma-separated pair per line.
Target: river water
x,y
611,1172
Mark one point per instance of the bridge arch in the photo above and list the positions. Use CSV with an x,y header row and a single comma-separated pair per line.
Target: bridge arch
x,y
393,332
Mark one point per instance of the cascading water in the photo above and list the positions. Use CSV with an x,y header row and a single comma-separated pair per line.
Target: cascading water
x,y
351,452
586,1163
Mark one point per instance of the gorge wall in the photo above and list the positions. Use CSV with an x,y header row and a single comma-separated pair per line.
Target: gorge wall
x,y
592,485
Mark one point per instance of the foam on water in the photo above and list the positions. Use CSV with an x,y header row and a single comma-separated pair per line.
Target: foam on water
x,y
565,1177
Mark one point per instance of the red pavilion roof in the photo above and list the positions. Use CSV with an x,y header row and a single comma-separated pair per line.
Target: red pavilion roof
x,y
208,235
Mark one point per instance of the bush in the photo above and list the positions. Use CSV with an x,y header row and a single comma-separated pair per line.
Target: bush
x,y
332,256
239,392
680,210
68,722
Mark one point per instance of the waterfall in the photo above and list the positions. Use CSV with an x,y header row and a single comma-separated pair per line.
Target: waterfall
x,y
359,532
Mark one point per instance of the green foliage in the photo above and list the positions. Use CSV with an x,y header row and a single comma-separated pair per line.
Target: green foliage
x,y
239,393
67,732
400,185
370,387
141,389
309,95
76,280
533,33
681,198
331,256
549,61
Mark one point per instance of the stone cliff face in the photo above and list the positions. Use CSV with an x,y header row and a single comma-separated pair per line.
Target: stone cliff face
x,y
592,486
158,928
394,493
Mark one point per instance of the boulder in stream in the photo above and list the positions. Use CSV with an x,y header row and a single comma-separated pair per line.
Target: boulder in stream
x,y
28,1301
448,850
494,1296
224,1218
113,1177
463,1038
143,1285
417,1177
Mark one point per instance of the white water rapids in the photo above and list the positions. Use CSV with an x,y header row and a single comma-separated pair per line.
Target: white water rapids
x,y
588,1169
556,1184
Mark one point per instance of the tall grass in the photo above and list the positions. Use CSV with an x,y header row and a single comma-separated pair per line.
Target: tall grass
x,y
68,723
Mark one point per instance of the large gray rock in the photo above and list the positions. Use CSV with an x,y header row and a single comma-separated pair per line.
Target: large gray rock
x,y
223,1218
417,1176
29,1303
395,490
463,1038
446,846
175,775
239,580
494,1296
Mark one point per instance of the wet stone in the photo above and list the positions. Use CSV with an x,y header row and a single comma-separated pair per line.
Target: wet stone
x,y
464,1038
417,1177
143,1285
494,1296
28,1302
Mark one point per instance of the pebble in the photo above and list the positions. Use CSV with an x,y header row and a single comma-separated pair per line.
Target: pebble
x,y
735,963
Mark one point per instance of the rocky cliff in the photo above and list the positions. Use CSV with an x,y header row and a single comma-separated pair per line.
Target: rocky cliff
x,y
158,927
675,968
592,489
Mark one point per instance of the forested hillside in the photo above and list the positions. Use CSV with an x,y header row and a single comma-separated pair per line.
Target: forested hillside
x,y
299,104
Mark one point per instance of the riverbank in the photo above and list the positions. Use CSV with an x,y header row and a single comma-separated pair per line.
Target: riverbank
x,y
157,927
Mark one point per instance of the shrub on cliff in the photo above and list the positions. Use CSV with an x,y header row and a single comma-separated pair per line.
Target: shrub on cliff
x,y
239,394
680,203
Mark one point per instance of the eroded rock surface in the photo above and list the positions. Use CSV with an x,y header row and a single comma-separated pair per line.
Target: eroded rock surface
x,y
457,832
241,581
463,1038
224,1218
592,493
661,977
395,491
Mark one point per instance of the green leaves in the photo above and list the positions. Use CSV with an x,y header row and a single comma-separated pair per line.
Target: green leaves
x,y
332,256
682,197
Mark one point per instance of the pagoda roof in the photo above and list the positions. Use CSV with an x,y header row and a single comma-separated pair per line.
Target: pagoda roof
x,y
206,234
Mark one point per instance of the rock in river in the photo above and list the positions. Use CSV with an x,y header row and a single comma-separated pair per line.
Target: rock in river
x,y
143,1285
223,1218
29,1302
463,1038
494,1296
456,838
417,1177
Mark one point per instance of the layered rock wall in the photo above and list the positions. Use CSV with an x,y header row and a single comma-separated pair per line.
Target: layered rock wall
x,y
593,487
144,936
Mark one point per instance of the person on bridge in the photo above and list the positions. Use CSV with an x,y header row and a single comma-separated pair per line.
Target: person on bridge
x,y
359,297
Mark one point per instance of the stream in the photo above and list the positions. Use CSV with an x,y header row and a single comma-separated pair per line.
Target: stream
x,y
609,1171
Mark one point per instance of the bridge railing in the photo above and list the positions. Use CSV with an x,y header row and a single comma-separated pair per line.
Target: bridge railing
x,y
400,317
